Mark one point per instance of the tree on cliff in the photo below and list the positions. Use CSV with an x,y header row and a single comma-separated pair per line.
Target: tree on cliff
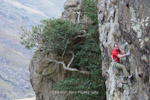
x,y
56,36
82,46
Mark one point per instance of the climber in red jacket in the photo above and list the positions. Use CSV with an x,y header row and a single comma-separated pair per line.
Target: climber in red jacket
x,y
116,55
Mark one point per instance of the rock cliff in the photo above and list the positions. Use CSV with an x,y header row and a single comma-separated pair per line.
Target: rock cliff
x,y
126,21
119,21
44,73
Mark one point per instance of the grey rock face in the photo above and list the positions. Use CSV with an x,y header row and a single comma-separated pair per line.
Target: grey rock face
x,y
74,12
126,21
43,74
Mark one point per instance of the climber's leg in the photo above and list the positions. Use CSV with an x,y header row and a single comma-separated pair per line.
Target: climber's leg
x,y
113,66
121,66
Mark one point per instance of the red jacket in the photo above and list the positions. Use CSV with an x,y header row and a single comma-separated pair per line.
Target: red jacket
x,y
115,54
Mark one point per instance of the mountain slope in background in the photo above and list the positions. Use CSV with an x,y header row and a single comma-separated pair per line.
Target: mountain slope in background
x,y
14,58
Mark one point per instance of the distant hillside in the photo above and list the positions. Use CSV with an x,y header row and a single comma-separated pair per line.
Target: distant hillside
x,y
14,58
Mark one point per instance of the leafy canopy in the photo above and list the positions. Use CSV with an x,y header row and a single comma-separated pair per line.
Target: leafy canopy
x,y
51,35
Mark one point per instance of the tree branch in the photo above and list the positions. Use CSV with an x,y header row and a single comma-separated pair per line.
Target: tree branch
x,y
68,66
81,36
71,59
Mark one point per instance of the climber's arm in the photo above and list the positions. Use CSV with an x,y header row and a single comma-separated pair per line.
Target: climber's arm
x,y
122,55
115,53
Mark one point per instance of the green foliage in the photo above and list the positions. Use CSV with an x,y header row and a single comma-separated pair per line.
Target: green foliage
x,y
87,55
86,87
57,36
90,9
51,35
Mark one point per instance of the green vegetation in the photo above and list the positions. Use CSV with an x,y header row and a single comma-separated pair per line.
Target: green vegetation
x,y
87,54
61,37
52,35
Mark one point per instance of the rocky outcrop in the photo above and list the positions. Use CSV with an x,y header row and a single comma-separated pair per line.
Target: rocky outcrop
x,y
126,21
44,73
74,12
